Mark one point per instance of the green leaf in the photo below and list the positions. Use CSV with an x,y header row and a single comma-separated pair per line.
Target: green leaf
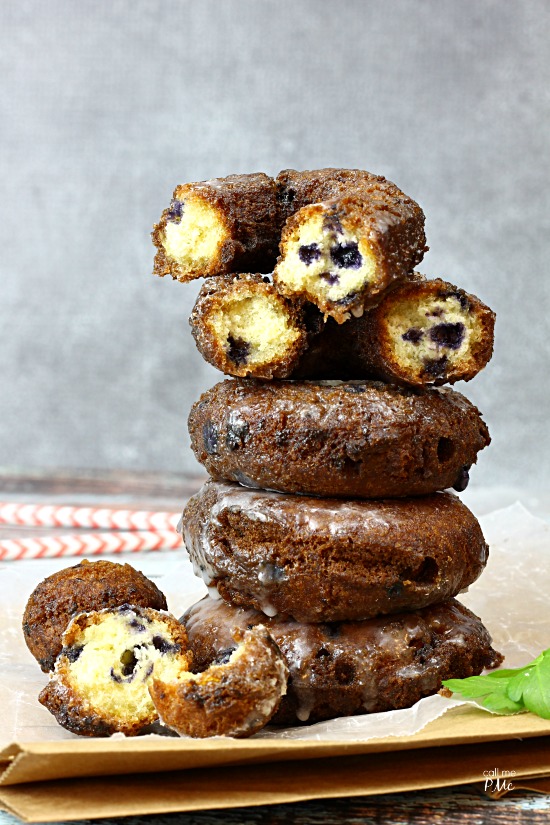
x,y
475,686
536,694
510,690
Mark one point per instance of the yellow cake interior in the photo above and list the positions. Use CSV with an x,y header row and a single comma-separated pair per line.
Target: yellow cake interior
x,y
197,237
297,275
109,648
259,321
417,319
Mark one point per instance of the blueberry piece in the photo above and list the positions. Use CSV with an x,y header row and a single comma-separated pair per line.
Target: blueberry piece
x,y
223,656
332,224
413,335
346,255
463,479
286,196
210,438
448,335
435,313
395,589
330,277
309,253
164,646
270,573
72,653
176,211
354,388
137,626
237,433
435,366
346,300
238,350
461,297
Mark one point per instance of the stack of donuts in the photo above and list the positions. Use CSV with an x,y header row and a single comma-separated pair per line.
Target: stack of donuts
x,y
332,445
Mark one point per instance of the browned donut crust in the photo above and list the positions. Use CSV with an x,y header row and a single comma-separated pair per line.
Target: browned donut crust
x,y
244,327
344,439
356,227
236,697
87,586
423,332
101,677
242,212
348,668
327,560
234,224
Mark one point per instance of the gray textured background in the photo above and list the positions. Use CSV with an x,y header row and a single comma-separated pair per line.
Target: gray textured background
x,y
106,106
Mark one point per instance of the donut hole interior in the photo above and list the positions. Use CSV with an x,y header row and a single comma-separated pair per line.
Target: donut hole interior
x,y
432,335
118,656
428,571
253,329
445,449
196,232
326,260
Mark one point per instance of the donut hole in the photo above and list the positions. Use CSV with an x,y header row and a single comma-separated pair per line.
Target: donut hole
x,y
445,449
427,572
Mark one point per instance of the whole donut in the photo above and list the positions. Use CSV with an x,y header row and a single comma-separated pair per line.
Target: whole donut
x,y
327,559
359,439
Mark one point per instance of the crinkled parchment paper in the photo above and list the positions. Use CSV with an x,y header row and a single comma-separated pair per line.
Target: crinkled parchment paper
x,y
511,597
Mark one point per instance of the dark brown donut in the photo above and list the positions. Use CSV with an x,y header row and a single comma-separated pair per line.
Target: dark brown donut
x,y
87,586
234,224
326,560
348,668
344,439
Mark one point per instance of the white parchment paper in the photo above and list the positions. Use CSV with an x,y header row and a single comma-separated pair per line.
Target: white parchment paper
x,y
512,597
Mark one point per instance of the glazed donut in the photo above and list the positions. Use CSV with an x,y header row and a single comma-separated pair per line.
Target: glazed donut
x,y
236,696
369,234
87,586
101,677
348,668
327,560
344,439
244,327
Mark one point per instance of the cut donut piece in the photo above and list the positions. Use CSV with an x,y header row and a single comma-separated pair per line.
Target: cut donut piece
x,y
343,254
101,677
422,332
218,226
244,327
429,332
236,696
